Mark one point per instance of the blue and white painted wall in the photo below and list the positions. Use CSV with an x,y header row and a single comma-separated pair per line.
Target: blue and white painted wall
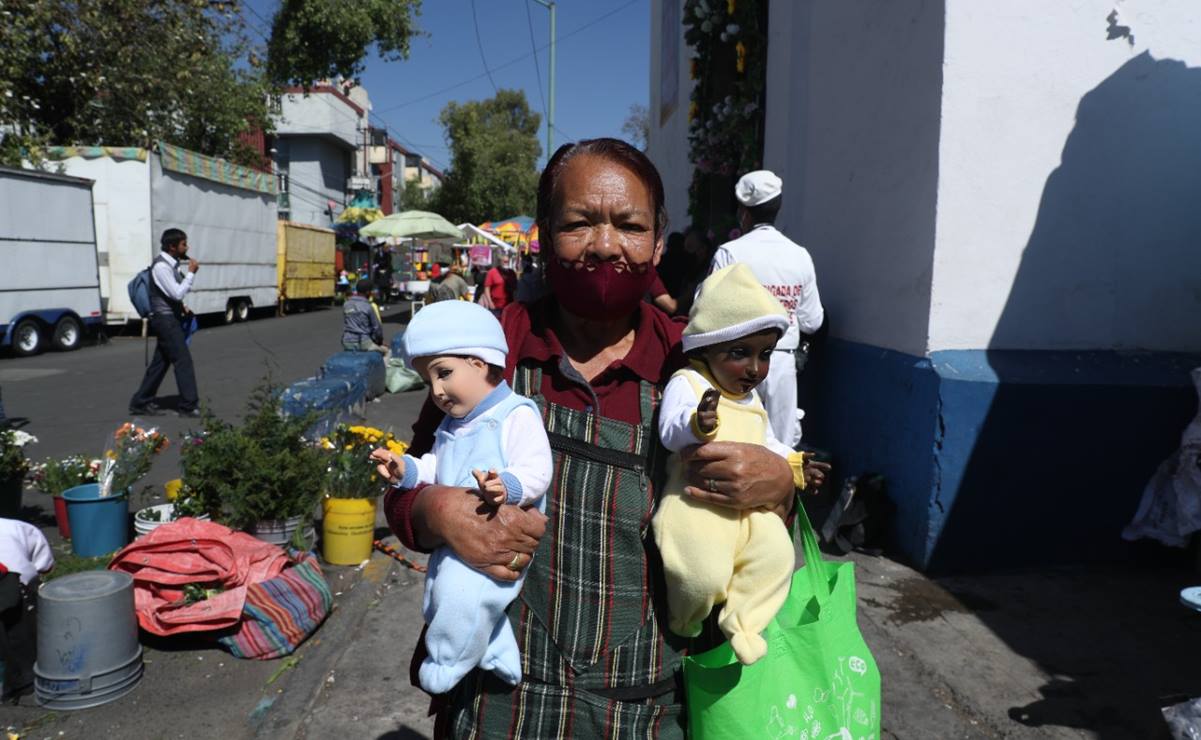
x,y
1001,201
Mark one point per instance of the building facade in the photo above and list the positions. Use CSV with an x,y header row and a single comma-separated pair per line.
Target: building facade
x,y
1001,204
320,139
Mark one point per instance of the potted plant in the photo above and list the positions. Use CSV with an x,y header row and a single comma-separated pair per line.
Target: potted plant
x,y
99,512
351,488
265,477
52,477
13,467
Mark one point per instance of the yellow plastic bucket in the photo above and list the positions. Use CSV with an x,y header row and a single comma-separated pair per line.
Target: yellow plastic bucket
x,y
349,530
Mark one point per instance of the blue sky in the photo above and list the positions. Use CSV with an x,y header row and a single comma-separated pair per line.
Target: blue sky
x,y
603,66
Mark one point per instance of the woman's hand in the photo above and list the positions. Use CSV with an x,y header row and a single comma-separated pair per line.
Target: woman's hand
x,y
738,475
488,538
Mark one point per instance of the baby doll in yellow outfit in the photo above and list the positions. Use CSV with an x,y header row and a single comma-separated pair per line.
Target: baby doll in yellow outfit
x,y
711,554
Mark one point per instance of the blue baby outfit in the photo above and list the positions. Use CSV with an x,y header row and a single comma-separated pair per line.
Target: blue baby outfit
x,y
465,609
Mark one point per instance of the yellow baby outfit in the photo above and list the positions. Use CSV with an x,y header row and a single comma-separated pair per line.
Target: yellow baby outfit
x,y
712,554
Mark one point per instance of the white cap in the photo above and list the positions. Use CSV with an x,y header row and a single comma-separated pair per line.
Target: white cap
x,y
757,187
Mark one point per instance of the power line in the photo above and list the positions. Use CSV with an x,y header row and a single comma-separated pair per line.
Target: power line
x,y
513,61
480,45
537,68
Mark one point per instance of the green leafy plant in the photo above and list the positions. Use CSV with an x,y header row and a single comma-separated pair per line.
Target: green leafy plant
x,y
13,462
262,470
55,476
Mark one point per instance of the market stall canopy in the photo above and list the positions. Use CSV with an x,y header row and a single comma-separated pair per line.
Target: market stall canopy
x,y
412,225
471,231
520,224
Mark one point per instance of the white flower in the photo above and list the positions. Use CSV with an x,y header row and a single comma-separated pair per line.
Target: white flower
x,y
732,29
20,439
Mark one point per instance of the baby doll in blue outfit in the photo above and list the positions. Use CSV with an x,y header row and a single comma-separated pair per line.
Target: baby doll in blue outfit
x,y
491,440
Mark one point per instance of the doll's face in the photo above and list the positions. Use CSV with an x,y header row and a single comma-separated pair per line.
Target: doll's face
x,y
741,364
457,384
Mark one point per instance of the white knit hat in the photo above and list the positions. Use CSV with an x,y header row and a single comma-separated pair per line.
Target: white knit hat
x,y
757,187
731,304
455,328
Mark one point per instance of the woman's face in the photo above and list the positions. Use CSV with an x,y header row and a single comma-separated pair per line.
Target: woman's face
x,y
604,214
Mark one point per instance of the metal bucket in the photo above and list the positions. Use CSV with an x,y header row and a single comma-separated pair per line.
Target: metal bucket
x,y
88,651
280,531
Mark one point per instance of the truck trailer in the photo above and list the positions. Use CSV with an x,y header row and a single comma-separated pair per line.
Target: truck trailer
x,y
228,212
49,280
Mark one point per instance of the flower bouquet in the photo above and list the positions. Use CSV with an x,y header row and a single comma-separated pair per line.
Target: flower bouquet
x,y
130,458
349,472
52,477
13,467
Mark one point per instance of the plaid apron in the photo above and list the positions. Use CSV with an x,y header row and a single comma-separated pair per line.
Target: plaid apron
x,y
596,657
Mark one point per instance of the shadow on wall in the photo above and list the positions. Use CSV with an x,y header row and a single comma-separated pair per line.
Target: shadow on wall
x,y
1067,439
1058,450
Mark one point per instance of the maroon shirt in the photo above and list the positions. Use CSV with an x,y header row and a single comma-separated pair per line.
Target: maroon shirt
x,y
654,356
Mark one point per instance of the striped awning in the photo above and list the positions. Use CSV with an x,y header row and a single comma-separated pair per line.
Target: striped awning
x,y
178,159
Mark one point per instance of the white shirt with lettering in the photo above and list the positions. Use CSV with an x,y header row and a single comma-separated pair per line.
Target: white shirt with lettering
x,y
784,268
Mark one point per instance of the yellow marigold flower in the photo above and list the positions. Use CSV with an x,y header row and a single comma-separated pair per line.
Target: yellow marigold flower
x,y
730,6
397,448
740,65
692,111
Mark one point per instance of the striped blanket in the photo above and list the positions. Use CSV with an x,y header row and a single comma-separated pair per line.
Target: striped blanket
x,y
281,612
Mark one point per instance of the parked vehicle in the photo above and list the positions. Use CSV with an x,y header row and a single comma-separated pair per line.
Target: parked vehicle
x,y
229,213
306,260
49,282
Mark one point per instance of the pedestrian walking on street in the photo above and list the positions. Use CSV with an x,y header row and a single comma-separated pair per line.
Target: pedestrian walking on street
x,y
171,276
786,270
362,330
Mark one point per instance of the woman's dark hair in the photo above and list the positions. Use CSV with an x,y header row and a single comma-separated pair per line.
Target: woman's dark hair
x,y
765,212
171,238
675,242
614,150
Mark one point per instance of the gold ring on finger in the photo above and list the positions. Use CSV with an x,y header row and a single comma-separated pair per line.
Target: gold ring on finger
x,y
513,563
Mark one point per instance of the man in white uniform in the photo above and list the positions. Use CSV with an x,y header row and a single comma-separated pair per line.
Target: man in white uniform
x,y
786,269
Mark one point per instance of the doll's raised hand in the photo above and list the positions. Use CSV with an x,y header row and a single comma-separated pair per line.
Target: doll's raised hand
x,y
706,411
492,488
389,465
815,473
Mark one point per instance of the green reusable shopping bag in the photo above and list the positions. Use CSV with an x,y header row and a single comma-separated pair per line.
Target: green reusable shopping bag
x,y
818,680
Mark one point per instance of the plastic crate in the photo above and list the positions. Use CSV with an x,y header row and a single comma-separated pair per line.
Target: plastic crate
x,y
334,399
368,366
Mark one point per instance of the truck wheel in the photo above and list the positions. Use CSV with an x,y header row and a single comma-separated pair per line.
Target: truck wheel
x,y
68,334
27,338
242,309
229,313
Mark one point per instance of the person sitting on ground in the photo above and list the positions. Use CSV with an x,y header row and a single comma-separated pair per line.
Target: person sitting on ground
x,y
491,440
362,330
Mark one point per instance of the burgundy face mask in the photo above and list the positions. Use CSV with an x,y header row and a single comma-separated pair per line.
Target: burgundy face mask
x,y
599,290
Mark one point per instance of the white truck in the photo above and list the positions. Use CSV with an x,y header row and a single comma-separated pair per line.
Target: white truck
x,y
49,282
228,212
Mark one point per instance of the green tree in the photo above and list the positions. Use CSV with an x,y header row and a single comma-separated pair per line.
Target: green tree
x,y
637,126
416,198
128,73
494,150
318,39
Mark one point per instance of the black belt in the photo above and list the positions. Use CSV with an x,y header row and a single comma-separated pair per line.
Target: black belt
x,y
641,693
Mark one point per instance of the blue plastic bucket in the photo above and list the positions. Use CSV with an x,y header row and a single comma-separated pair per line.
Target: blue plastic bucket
x,y
99,526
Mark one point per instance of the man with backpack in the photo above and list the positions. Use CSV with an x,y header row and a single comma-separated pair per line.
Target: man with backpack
x,y
171,275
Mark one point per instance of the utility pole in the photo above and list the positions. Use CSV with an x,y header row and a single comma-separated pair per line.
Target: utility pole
x,y
550,114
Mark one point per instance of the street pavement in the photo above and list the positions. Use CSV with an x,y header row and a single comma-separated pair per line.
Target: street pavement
x,y
1062,653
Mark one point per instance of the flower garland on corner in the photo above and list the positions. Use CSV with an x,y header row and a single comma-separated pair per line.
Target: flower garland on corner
x,y
725,115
